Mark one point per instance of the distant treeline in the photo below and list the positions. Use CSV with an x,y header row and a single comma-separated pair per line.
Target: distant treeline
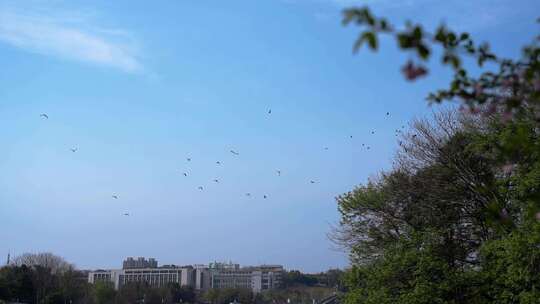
x,y
330,278
49,279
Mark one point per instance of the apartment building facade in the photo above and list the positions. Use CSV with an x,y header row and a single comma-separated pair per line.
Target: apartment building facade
x,y
200,277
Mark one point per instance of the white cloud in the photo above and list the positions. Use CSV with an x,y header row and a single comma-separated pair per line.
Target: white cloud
x,y
68,36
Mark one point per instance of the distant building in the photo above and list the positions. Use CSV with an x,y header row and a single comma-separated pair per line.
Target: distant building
x,y
140,262
256,278
155,277
200,277
104,276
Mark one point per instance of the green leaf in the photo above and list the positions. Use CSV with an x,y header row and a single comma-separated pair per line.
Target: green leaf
x,y
423,51
368,37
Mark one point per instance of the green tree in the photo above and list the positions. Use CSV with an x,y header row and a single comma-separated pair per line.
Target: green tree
x,y
229,295
17,284
456,220
104,293
450,223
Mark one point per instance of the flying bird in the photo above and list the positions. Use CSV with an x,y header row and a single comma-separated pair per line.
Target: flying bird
x,y
185,174
218,162
115,196
126,214
387,113
248,194
372,132
73,150
312,182
278,172
234,152
216,180
188,159
264,196
326,148
270,111
44,116
350,136
200,188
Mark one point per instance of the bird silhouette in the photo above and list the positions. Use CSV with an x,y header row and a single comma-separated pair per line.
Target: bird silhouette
x,y
248,194
234,152
126,214
414,136
270,111
387,113
73,150
216,180
188,159
218,162
264,196
350,136
312,181
278,172
115,196
372,132
200,188
326,148
44,116
185,174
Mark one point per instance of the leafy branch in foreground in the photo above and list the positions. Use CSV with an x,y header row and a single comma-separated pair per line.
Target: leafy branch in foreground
x,y
506,86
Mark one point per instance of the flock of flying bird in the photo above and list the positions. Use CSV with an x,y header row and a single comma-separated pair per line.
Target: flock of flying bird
x,y
201,188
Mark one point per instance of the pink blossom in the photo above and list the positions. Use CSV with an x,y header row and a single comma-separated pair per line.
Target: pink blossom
x,y
507,83
412,72
504,213
536,84
508,168
490,110
507,116
478,90
474,110
469,110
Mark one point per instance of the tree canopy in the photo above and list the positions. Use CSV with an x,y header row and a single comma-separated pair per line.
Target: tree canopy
x,y
457,218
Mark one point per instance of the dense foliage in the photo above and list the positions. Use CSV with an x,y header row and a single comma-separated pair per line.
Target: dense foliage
x,y
457,220
330,278
452,222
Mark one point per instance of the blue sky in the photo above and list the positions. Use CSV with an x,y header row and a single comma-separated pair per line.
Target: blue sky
x,y
137,88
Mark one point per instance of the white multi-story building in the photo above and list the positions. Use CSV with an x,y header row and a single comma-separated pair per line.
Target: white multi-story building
x,y
142,270
155,277
200,277
256,278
